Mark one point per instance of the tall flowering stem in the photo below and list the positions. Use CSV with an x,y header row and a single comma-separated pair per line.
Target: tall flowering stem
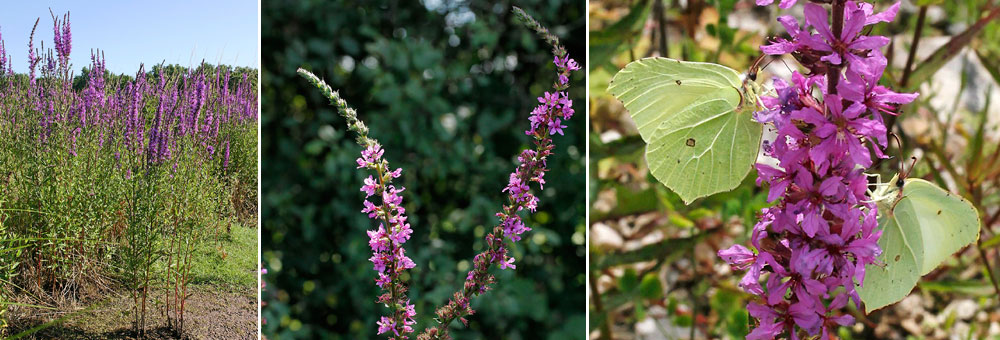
x,y
810,249
389,258
545,120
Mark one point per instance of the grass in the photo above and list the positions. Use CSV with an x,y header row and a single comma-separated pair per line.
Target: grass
x,y
230,261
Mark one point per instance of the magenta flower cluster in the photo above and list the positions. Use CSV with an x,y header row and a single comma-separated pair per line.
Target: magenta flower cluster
x,y
812,246
546,120
389,258
63,39
5,64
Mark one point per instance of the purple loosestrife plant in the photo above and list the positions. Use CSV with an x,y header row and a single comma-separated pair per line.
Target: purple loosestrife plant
x,y
3,55
63,39
545,120
812,246
389,258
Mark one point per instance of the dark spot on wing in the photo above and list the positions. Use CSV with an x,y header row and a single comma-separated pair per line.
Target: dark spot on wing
x,y
689,142
897,258
678,81
939,212
678,161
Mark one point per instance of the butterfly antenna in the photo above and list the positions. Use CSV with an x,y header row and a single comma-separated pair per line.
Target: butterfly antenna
x,y
913,163
786,65
899,144
756,62
769,63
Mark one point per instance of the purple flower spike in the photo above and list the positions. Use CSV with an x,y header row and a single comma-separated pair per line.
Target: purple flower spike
x,y
812,246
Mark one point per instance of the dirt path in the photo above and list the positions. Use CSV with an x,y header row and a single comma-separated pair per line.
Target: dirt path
x,y
211,313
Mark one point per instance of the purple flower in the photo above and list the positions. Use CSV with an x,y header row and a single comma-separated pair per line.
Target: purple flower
x,y
863,87
370,209
377,239
3,55
509,263
401,233
370,156
565,62
850,45
513,227
738,256
771,323
385,324
784,4
840,132
391,196
370,186
555,127
382,280
849,40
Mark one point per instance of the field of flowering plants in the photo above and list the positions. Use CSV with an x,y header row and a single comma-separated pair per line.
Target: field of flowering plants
x,y
128,202
806,236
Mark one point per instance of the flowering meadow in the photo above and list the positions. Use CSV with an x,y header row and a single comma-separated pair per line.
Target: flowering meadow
x,y
853,92
119,183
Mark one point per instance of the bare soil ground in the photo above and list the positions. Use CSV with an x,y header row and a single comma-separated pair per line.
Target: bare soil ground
x,y
210,313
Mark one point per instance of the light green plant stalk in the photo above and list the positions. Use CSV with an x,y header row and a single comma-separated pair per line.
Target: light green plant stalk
x,y
353,123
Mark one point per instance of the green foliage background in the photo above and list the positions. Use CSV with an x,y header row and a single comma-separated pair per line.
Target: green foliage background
x,y
446,87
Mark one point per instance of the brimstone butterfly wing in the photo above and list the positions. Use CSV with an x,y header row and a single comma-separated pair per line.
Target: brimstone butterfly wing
x,y
696,121
921,227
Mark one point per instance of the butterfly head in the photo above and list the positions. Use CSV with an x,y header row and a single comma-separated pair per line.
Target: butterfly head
x,y
885,194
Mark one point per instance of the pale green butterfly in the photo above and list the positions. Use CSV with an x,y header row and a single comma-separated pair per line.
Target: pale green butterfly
x,y
922,225
696,120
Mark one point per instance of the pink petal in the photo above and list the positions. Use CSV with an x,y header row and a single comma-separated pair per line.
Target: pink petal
x,y
887,16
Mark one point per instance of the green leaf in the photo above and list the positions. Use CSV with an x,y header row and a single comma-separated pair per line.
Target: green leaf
x,y
921,227
680,221
696,121
628,281
960,287
921,3
640,310
607,42
992,242
650,287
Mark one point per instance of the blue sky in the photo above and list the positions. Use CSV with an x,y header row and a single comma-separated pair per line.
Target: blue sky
x,y
132,32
